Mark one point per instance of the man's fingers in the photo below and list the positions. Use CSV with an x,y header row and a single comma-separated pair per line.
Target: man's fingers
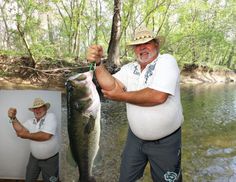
x,y
94,53
105,93
12,112
100,51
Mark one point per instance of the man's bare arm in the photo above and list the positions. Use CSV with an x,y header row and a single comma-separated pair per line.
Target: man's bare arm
x,y
104,78
38,136
143,97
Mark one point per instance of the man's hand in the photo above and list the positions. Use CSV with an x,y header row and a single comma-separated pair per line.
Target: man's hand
x,y
18,127
12,113
114,94
23,133
94,54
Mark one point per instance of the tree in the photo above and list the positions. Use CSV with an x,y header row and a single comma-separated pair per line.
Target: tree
x,y
113,49
199,32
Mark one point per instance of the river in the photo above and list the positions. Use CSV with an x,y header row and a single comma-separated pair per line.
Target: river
x,y
208,137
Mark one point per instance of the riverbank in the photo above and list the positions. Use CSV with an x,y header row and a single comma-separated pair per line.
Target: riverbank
x,y
16,73
186,77
200,76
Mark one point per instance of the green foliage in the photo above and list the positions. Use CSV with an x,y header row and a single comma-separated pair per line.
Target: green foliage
x,y
12,53
199,32
43,50
2,73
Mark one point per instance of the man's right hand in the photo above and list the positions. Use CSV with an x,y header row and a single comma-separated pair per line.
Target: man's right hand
x,y
12,113
16,124
94,54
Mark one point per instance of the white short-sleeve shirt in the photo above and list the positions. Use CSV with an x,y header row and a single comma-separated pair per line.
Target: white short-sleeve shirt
x,y
154,122
47,124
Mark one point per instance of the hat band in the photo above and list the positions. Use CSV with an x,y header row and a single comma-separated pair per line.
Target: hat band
x,y
142,37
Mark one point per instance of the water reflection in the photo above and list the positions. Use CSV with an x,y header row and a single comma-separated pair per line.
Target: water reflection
x,y
209,132
209,141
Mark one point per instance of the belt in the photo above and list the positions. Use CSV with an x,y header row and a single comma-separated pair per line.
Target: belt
x,y
164,137
54,155
47,158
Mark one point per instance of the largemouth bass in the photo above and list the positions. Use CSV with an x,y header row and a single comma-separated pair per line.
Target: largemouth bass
x,y
84,110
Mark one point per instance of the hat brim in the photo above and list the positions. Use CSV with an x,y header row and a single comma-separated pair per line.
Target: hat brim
x,y
160,39
46,104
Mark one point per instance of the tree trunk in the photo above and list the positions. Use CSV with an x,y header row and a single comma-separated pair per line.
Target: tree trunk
x,y
113,49
50,31
229,61
7,35
33,62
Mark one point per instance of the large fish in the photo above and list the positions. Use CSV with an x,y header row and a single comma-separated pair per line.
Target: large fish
x,y
84,110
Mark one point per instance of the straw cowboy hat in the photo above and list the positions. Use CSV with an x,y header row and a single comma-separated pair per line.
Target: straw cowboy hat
x,y
143,35
38,102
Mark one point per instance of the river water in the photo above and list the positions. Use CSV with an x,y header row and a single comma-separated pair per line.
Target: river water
x,y
208,137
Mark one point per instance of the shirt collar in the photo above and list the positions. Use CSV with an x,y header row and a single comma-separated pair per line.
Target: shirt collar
x,y
41,120
137,65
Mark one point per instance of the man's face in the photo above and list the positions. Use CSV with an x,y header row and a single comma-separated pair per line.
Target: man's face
x,y
146,52
39,112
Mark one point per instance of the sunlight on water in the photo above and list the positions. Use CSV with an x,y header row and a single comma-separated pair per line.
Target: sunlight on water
x,y
209,132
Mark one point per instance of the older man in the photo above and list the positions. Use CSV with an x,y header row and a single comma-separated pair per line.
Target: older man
x,y
150,87
42,131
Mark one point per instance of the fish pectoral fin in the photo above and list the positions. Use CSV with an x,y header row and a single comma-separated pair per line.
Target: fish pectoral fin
x,y
82,104
90,125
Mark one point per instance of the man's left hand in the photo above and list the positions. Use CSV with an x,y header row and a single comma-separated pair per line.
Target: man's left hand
x,y
114,94
23,134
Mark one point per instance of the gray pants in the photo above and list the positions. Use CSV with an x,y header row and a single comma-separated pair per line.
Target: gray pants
x,y
49,168
164,156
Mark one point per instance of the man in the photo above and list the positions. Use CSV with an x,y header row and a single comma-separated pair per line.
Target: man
x,y
42,131
150,87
